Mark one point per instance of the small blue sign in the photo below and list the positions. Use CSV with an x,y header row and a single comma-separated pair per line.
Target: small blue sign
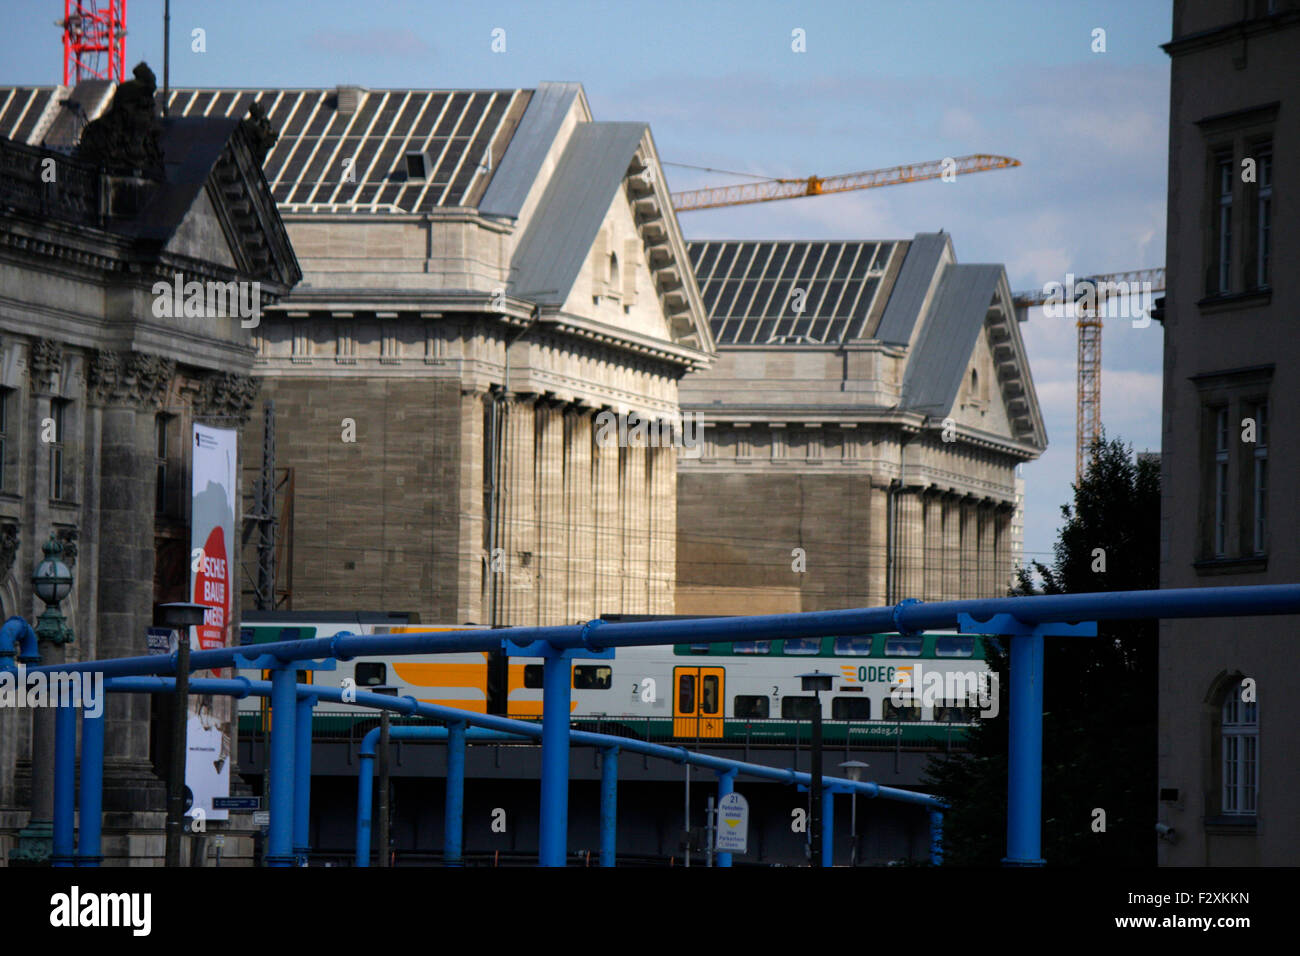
x,y
237,803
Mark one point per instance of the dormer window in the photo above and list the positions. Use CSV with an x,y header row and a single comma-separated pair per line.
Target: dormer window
x,y
417,165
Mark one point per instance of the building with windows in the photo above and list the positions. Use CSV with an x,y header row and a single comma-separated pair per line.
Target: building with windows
x,y
862,428
1229,721
98,390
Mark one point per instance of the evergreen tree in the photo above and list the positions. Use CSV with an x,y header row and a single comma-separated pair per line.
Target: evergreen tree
x,y
1099,722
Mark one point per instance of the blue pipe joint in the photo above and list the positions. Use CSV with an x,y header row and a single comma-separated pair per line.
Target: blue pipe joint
x,y
897,614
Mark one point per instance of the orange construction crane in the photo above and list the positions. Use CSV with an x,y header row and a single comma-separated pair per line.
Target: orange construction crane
x,y
1090,295
769,190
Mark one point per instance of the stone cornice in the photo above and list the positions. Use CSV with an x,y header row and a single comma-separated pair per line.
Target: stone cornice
x,y
44,360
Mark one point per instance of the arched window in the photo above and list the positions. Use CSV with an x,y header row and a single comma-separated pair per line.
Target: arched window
x,y
1239,750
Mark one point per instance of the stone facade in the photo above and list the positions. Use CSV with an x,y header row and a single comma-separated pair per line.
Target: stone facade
x,y
1229,723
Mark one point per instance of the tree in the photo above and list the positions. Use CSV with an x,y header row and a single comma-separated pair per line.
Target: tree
x,y
1099,721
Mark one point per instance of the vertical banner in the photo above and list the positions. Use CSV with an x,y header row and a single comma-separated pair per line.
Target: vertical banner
x,y
212,538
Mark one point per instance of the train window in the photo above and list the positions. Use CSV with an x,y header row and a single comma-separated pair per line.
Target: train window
x,y
951,713
751,647
751,708
954,645
700,648
850,708
533,675
592,676
853,646
371,674
891,711
798,708
709,694
686,693
899,645
803,645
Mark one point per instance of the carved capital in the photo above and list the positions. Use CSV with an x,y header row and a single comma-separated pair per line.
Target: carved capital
x,y
68,538
8,546
43,365
227,395
130,378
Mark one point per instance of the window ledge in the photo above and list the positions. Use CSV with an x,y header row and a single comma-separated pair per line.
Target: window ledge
x,y
1225,302
1213,566
1231,824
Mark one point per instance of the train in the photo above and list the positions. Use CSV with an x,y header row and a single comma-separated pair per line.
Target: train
x,y
733,692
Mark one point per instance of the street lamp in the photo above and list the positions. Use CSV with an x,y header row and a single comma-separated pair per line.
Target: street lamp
x,y
816,682
854,769
179,617
52,582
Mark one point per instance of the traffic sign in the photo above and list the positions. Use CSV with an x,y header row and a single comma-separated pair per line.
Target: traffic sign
x,y
237,803
261,818
733,824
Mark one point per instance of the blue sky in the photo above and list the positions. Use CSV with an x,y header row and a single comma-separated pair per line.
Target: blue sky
x,y
880,83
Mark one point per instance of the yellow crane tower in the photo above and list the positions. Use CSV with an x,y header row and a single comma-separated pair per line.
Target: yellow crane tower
x,y
1090,295
768,190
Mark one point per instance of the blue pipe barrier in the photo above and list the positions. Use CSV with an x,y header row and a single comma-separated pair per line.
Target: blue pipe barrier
x,y
552,838
608,805
17,635
92,788
726,785
903,617
65,773
284,693
1025,754
828,827
453,818
302,779
936,838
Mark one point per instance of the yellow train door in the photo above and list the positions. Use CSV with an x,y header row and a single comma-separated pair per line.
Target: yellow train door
x,y
697,702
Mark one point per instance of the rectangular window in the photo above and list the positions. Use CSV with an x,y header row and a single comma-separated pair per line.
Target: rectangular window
x,y
853,646
686,693
592,676
892,711
1240,742
371,674
4,433
1222,278
1263,216
533,676
798,708
1260,490
898,645
751,647
1220,480
850,708
749,707
710,700
946,711
59,416
954,645
803,646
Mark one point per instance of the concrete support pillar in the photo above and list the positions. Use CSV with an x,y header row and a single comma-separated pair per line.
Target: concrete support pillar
x,y
635,516
552,531
609,531
910,564
951,558
579,519
663,529
518,592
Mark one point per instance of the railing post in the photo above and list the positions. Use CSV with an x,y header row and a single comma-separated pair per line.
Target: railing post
x,y
1025,755
936,837
302,779
608,805
726,785
453,822
92,786
556,687
284,703
65,784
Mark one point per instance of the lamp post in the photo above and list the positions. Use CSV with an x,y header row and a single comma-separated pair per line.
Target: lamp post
x,y
816,682
180,617
52,582
854,770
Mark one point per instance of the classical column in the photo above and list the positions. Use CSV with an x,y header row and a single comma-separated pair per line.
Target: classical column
x,y
909,563
552,534
471,534
635,513
517,596
130,388
951,559
663,529
579,519
969,549
1002,548
932,547
608,530
878,545
988,576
